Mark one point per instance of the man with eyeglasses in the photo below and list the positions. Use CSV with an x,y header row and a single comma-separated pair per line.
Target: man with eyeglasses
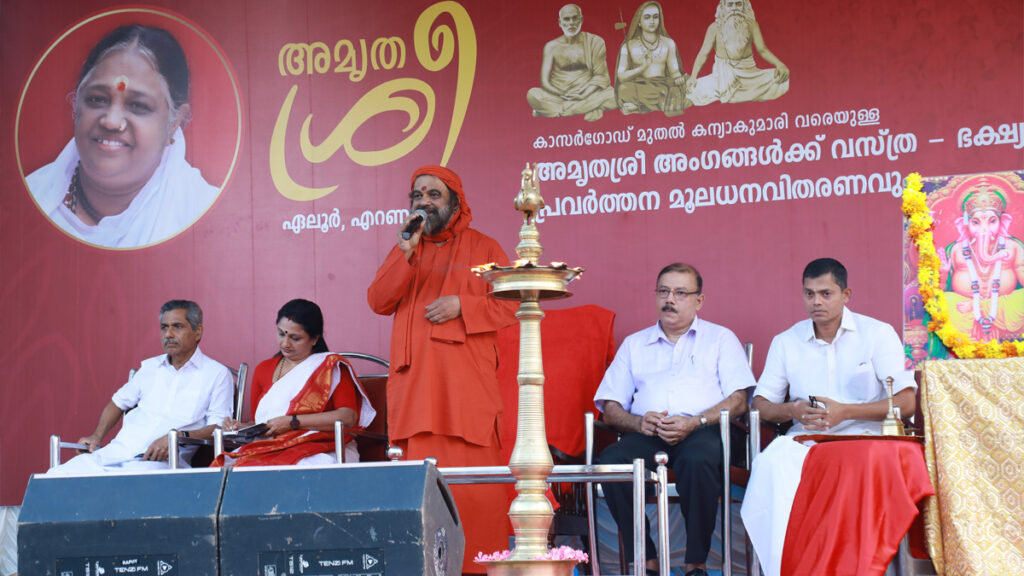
x,y
664,392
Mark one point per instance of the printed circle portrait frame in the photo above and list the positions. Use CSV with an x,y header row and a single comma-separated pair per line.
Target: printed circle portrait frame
x,y
203,54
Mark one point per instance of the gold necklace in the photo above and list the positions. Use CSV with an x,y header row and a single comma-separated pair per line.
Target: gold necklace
x,y
280,371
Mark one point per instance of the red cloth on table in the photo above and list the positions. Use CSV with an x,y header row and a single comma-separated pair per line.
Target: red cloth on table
x,y
578,344
856,500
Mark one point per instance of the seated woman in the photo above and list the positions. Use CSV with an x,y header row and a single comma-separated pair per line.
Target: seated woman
x,y
123,180
299,394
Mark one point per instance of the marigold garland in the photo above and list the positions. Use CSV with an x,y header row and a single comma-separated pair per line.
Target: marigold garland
x,y
919,226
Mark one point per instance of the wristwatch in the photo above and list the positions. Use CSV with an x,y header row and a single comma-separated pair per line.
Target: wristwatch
x,y
703,421
295,422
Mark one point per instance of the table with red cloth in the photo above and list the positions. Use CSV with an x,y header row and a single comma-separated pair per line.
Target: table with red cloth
x,y
855,501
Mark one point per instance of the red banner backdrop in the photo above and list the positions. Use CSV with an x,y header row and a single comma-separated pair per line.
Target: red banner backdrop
x,y
310,115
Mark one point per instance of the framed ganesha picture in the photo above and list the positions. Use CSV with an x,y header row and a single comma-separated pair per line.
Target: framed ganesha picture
x,y
963,267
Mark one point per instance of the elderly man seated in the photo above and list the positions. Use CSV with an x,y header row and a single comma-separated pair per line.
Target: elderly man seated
x,y
182,389
664,390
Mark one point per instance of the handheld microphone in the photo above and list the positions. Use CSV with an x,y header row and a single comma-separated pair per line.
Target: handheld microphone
x,y
419,215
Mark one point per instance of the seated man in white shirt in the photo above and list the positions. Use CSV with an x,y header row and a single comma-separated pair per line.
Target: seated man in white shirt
x,y
839,358
182,389
663,392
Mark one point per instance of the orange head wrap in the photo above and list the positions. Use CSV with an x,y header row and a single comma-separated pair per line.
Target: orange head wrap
x,y
461,219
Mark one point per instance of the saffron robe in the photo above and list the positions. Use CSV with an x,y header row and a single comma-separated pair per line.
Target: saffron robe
x,y
443,377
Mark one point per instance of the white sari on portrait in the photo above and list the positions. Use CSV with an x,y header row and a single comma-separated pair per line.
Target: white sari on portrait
x,y
175,196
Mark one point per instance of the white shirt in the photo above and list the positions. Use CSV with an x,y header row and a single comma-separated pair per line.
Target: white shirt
x,y
652,374
850,369
198,394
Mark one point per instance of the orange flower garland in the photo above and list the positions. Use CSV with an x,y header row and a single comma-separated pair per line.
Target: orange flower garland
x,y
920,226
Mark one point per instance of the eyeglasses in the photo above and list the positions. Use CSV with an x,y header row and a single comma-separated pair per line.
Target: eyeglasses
x,y
679,293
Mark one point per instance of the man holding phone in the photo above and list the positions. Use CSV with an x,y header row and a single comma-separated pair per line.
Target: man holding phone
x,y
833,368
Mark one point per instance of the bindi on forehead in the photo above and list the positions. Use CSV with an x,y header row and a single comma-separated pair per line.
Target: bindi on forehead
x,y
121,83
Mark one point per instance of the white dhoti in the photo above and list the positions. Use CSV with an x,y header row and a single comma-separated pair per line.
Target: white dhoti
x,y
774,477
111,458
737,81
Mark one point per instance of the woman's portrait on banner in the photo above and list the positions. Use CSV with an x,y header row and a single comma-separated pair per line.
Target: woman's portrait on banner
x,y
124,178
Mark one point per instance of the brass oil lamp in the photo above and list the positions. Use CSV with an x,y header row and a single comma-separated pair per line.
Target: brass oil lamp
x,y
529,282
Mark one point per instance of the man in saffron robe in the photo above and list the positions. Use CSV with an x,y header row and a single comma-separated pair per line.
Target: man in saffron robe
x,y
574,73
443,397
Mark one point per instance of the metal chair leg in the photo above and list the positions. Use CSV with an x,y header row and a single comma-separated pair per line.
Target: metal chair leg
x,y
218,442
723,425
54,451
588,421
172,449
661,459
639,519
753,563
339,442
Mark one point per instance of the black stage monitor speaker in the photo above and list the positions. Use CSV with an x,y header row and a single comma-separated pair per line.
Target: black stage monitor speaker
x,y
393,518
156,524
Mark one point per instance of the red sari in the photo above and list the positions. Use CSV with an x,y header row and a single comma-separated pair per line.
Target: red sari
x,y
315,397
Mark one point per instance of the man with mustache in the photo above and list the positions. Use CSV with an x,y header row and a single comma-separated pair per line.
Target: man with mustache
x,y
182,390
443,398
839,359
734,76
663,393
574,73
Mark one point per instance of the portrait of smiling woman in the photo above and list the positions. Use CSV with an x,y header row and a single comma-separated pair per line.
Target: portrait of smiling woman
x,y
123,180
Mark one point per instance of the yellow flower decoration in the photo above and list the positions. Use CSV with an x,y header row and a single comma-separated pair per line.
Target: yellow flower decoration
x,y
920,224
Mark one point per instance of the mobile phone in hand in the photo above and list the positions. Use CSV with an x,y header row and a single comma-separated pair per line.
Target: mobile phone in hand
x,y
815,403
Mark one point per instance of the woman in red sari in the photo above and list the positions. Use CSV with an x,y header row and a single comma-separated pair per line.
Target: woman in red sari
x,y
299,394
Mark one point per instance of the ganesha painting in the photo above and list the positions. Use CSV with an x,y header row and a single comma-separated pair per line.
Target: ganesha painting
x,y
977,219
